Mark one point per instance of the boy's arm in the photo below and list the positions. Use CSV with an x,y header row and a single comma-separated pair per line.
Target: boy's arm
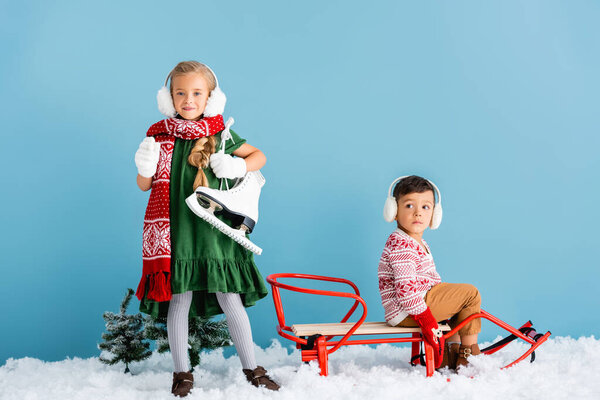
x,y
409,288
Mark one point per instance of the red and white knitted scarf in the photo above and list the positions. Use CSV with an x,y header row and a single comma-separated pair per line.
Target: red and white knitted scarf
x,y
157,229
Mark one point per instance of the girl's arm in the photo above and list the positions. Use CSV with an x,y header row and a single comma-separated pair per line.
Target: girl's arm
x,y
255,159
144,183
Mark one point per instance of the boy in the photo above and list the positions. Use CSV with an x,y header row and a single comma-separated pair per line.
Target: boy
x,y
412,291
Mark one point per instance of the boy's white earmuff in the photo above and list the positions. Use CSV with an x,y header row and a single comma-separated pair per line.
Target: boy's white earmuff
x,y
390,208
215,104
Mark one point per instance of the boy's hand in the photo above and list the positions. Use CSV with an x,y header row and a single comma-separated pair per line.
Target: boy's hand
x,y
431,333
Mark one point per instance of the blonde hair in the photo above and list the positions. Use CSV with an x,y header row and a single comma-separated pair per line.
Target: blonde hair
x,y
203,147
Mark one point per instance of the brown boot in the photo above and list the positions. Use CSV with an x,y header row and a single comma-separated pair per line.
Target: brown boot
x,y
451,355
182,383
444,363
464,352
258,377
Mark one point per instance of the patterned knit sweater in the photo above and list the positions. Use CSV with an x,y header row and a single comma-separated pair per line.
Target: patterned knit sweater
x,y
406,272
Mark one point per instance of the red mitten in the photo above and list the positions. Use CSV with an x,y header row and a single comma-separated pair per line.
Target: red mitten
x,y
431,333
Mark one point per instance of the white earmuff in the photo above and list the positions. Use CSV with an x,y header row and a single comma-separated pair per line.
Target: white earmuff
x,y
215,104
436,218
390,208
165,102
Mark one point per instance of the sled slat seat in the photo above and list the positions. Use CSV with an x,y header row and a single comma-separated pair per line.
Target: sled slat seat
x,y
366,328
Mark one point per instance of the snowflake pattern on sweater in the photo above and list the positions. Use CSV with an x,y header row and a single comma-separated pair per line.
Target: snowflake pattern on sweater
x,y
406,272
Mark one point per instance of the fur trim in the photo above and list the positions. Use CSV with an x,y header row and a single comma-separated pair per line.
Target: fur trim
x,y
390,209
215,104
165,102
436,219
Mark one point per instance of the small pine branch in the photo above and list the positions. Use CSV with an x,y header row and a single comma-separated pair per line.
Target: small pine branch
x,y
126,300
124,338
206,334
156,329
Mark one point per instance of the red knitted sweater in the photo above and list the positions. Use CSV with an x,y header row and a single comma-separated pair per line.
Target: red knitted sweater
x,y
406,272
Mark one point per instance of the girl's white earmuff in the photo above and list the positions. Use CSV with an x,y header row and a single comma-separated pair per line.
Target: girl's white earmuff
x,y
390,208
215,104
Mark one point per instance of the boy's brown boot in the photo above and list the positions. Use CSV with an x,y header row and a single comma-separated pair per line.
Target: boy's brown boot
x,y
182,383
464,352
258,377
450,356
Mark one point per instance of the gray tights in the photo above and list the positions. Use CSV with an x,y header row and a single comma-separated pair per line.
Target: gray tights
x,y
237,322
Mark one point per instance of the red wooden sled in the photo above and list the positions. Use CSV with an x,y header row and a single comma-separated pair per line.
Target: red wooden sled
x,y
316,341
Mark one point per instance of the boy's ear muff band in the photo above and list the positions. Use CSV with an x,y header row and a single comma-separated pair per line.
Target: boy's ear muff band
x,y
390,208
215,104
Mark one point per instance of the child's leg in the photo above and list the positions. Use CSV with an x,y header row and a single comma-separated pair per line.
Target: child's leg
x,y
454,338
468,340
456,301
177,329
239,327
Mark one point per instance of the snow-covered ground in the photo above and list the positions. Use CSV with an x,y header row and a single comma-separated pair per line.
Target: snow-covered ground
x,y
564,368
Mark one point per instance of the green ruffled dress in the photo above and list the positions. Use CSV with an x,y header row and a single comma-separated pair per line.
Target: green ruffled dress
x,y
203,259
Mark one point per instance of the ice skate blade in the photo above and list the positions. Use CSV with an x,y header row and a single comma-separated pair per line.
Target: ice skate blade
x,y
209,204
207,201
236,235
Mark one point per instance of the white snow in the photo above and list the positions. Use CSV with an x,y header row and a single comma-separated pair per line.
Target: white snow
x,y
564,368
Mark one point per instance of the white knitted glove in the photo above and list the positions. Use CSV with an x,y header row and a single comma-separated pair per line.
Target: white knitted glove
x,y
226,166
146,157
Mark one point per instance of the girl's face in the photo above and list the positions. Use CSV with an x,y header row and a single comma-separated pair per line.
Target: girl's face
x,y
414,212
190,93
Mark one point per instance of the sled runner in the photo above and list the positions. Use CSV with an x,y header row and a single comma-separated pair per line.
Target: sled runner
x,y
317,341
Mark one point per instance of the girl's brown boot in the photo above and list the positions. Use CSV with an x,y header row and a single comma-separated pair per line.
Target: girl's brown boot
x,y
258,377
182,383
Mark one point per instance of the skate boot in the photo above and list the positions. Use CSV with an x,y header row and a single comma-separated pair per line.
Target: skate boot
x,y
239,204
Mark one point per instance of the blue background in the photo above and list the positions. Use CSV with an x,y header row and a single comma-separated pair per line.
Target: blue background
x,y
496,102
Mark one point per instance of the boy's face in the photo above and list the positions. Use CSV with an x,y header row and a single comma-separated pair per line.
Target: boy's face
x,y
190,93
415,211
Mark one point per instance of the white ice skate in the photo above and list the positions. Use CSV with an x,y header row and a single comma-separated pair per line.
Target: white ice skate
x,y
239,204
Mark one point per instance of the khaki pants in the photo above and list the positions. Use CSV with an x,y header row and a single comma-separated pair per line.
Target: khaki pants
x,y
454,301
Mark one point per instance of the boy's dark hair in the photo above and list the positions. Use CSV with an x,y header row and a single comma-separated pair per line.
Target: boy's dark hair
x,y
412,184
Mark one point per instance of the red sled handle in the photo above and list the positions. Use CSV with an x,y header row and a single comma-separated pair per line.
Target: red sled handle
x,y
273,281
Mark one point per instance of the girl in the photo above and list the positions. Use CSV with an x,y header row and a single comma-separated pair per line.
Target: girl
x,y
190,269
411,290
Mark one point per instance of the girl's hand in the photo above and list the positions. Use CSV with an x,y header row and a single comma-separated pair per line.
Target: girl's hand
x,y
226,166
146,157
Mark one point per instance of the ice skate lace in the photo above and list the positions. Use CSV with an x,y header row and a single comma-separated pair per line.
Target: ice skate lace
x,y
240,183
225,136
